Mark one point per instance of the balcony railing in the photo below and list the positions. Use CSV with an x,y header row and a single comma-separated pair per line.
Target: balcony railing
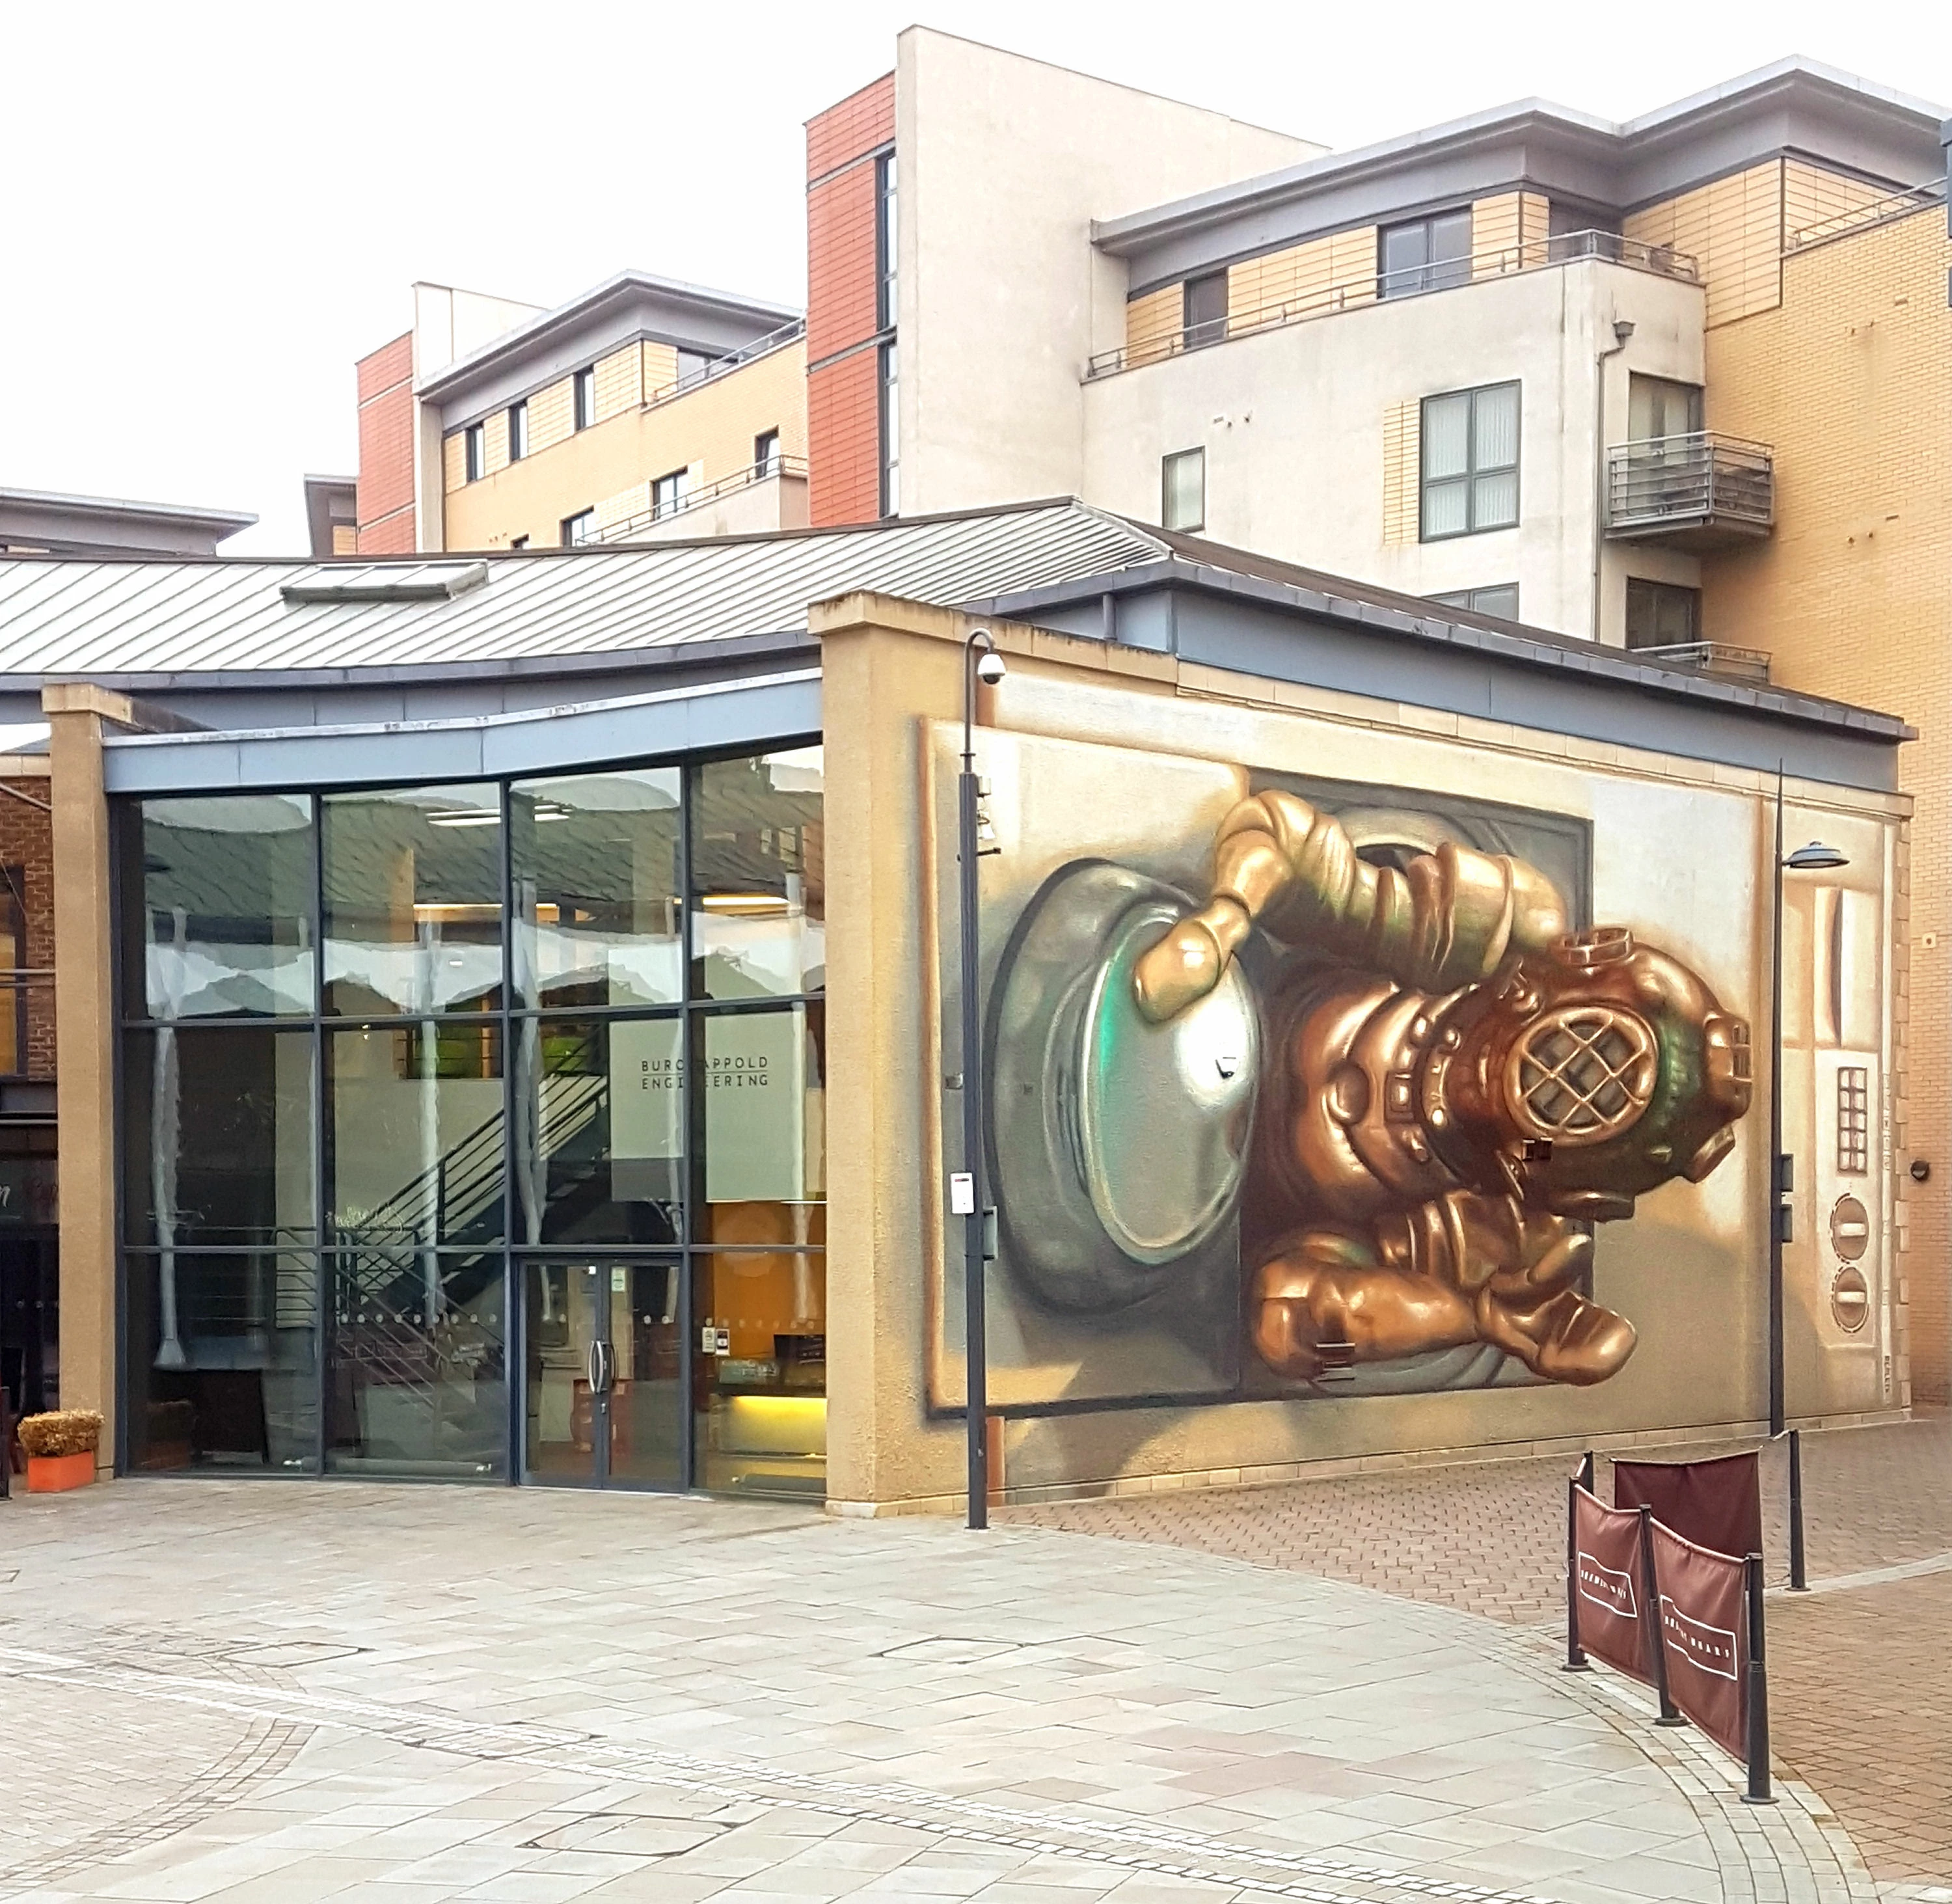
x,y
1861,218
1700,489
626,528
1710,658
1416,280
790,332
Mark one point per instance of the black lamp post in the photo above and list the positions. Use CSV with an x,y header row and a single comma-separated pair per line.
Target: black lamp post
x,y
1815,857
980,661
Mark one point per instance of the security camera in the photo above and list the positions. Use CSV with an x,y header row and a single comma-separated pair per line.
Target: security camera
x,y
989,668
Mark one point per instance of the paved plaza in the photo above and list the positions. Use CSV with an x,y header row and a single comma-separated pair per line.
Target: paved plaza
x,y
246,1691
1860,1675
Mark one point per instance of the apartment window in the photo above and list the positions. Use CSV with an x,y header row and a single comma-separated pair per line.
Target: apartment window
x,y
891,432
518,431
766,452
518,542
1203,310
1424,255
1470,462
584,397
474,452
1183,489
885,252
667,494
578,528
1658,407
1660,614
1500,598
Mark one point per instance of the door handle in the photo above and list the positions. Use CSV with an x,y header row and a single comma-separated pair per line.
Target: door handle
x,y
592,1367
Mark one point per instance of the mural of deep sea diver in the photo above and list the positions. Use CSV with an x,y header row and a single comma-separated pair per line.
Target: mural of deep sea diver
x,y
1455,1087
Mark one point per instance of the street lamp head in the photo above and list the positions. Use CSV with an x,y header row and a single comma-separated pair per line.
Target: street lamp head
x,y
1815,857
989,668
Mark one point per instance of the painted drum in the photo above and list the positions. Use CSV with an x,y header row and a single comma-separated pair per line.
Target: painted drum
x,y
1117,1146
1849,1300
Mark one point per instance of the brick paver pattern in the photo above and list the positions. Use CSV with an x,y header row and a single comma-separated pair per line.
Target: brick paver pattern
x,y
1860,1681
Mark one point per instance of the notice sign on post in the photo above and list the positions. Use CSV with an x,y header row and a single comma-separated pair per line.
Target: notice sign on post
x,y
754,1069
1702,1617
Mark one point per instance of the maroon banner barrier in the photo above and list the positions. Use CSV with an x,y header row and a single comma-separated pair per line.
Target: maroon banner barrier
x,y
1702,1619
1608,1586
1717,1505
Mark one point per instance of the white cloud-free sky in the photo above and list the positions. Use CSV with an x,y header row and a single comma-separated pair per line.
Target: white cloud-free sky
x,y
211,210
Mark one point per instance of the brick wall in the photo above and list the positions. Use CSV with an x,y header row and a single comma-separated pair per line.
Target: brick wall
x,y
386,490
1850,378
27,852
843,412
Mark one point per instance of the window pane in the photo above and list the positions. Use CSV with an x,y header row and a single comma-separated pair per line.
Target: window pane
x,y
763,1159
758,878
416,1125
1446,435
1450,250
763,1381
217,1135
225,923
1444,509
1495,428
599,1130
223,1367
1204,308
1184,480
418,1378
1502,601
1406,249
413,901
1495,502
598,912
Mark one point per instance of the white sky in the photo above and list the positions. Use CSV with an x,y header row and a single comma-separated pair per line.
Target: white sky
x,y
210,211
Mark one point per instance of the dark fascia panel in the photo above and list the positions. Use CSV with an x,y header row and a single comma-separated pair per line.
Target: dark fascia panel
x,y
1493,671
1793,108
629,307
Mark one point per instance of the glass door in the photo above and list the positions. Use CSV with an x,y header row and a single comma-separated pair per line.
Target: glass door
x,y
603,1399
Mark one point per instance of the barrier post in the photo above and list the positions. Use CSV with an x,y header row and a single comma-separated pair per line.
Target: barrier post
x,y
1670,1714
1799,1571
1759,1792
1586,1470
1576,1661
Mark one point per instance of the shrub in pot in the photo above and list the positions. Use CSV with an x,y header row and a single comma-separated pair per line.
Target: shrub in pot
x,y
60,1449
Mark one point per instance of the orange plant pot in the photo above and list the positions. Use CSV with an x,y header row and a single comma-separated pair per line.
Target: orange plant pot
x,y
56,1474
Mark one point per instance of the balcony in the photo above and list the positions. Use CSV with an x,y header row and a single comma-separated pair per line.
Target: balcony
x,y
1697,491
1368,287
1710,658
735,504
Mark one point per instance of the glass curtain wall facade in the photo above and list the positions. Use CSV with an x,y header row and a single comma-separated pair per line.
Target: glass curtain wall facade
x,y
477,1130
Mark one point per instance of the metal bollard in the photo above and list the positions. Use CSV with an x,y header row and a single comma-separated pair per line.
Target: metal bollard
x,y
1759,1792
1670,1714
1799,1571
1576,1661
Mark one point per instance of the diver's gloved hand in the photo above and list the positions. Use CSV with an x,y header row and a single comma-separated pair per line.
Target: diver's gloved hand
x,y
1191,960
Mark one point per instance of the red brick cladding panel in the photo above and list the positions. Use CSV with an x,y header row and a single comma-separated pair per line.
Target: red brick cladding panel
x,y
857,125
844,416
843,428
386,490
26,851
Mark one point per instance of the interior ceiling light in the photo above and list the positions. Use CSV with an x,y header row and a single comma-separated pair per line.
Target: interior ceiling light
x,y
466,816
744,903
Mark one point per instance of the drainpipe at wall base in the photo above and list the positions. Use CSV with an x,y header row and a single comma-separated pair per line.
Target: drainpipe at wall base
x,y
1623,329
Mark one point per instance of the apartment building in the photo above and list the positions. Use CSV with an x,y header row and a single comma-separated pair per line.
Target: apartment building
x,y
39,522
642,408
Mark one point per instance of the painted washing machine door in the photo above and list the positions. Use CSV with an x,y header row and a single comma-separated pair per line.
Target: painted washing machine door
x,y
1117,1146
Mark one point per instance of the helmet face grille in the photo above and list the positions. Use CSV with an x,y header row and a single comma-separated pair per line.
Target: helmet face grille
x,y
1583,1073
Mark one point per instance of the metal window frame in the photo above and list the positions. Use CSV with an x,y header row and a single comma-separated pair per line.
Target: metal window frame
x,y
888,420
518,422
1659,591
691,1009
1167,463
583,397
1472,473
474,453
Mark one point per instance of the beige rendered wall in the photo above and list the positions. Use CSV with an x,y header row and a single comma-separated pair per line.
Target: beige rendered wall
x,y
1003,163
1850,378
1312,433
711,426
1673,842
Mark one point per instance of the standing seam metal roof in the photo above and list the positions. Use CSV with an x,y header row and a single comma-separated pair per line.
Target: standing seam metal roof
x,y
72,618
